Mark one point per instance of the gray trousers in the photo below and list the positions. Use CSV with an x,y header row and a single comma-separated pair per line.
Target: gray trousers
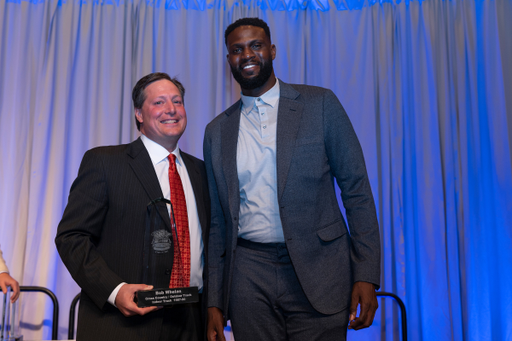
x,y
268,303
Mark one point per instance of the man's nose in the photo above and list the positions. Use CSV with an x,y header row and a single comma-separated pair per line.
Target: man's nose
x,y
248,53
170,108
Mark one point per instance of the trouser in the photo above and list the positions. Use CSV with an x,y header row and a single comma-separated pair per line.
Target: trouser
x,y
268,303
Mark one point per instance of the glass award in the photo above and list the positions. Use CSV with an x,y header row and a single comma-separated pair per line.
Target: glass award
x,y
158,259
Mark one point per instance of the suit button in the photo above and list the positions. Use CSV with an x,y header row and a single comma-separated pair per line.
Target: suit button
x,y
167,271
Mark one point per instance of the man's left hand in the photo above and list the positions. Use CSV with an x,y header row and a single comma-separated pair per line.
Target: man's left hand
x,y
363,294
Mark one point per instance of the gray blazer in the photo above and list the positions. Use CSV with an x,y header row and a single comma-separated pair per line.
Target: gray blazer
x,y
101,235
316,144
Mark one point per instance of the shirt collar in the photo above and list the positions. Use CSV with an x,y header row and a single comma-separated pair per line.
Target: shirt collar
x,y
271,97
157,153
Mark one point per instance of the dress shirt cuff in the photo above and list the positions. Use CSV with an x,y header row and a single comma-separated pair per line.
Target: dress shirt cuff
x,y
113,295
1,272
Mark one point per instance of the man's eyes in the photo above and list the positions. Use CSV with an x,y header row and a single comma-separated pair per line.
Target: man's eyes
x,y
253,46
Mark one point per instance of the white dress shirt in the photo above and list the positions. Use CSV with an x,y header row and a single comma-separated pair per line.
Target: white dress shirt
x,y
158,155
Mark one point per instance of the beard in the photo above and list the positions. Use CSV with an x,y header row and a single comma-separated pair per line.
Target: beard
x,y
255,82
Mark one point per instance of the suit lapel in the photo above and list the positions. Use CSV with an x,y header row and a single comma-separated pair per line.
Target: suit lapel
x,y
229,141
288,123
142,166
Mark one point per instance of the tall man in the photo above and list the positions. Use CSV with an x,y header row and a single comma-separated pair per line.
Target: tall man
x,y
102,232
282,263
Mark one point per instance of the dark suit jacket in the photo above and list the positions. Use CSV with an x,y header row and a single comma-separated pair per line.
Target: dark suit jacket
x,y
316,144
101,235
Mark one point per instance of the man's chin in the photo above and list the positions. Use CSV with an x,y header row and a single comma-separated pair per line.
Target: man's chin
x,y
250,83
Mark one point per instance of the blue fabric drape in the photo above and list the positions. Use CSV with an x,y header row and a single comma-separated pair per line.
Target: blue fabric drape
x,y
427,85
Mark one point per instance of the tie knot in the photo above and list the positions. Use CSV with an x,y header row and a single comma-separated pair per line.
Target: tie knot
x,y
172,162
172,158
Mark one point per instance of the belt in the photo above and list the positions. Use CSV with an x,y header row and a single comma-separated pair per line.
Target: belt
x,y
266,247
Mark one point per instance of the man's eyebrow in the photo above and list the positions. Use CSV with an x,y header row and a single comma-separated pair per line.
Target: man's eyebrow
x,y
167,96
258,40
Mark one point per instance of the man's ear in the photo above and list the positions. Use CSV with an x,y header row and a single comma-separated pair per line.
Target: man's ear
x,y
138,115
273,51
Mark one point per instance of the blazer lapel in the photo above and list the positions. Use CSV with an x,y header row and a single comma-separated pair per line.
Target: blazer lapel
x,y
140,162
288,123
229,140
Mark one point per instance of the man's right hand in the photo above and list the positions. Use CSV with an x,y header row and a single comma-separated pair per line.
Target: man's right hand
x,y
7,281
215,327
125,303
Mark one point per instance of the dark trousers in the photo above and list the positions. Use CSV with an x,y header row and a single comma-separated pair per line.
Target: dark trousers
x,y
268,303
183,322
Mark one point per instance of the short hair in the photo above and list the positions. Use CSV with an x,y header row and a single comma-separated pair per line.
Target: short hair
x,y
139,94
246,22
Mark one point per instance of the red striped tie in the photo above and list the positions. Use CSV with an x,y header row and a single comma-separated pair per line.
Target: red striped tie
x,y
180,276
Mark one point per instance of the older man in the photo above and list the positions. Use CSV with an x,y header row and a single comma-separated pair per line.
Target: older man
x,y
103,233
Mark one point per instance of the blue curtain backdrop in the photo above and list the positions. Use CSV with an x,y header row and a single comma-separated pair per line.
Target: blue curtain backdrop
x,y
427,85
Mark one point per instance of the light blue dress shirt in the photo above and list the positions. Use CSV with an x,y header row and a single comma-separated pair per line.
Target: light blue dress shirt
x,y
259,219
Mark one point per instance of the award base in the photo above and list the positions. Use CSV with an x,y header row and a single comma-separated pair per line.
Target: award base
x,y
167,296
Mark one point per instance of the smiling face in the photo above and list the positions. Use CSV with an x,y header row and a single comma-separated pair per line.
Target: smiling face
x,y
162,116
250,56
